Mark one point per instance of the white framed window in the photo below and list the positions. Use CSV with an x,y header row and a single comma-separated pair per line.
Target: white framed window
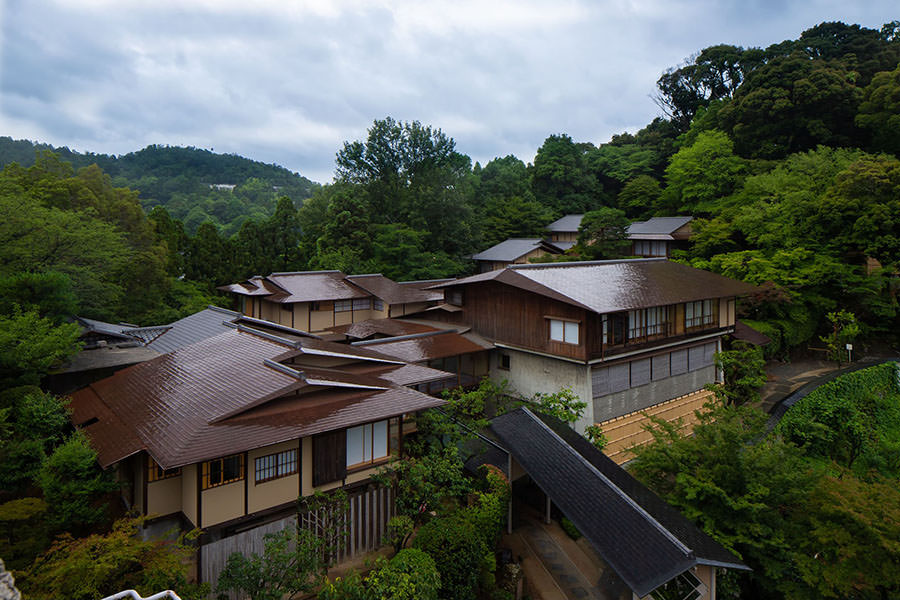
x,y
343,305
273,466
564,331
362,303
367,443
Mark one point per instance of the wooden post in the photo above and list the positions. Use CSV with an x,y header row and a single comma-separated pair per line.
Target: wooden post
x,y
547,516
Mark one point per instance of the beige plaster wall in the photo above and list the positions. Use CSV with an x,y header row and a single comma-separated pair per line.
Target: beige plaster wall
x,y
189,492
277,491
222,503
164,496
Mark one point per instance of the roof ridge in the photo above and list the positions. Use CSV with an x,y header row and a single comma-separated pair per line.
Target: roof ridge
x,y
583,263
283,273
222,310
619,491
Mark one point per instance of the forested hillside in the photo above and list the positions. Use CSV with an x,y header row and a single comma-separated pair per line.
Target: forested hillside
x,y
183,179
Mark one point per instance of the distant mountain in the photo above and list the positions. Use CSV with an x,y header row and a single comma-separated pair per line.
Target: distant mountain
x,y
193,184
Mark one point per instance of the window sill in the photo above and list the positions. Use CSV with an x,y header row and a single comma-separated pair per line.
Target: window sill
x,y
369,465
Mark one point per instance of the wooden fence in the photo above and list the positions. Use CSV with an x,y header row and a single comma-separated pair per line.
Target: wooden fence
x,y
361,529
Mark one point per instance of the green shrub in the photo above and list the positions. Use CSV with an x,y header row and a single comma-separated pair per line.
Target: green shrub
x,y
458,548
410,575
348,587
853,420
570,529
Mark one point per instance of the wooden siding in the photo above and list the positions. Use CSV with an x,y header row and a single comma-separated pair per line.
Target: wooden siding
x,y
329,457
365,526
510,315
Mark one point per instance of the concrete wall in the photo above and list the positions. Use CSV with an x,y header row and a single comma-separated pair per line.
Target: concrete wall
x,y
164,496
529,374
638,398
276,491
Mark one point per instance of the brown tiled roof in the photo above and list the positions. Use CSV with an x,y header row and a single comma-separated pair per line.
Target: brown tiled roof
x,y
616,285
177,406
745,333
387,327
315,285
426,347
392,292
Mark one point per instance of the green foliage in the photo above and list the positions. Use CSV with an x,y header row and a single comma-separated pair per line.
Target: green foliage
x,y
699,174
74,486
400,528
349,587
735,484
562,179
103,564
48,293
744,372
291,563
457,421
328,512
31,345
639,196
410,575
603,234
879,111
458,548
844,330
594,434
426,483
570,529
853,421
23,533
564,405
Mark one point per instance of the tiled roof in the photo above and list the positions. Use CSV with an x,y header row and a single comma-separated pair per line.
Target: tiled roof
x,y
386,327
644,540
194,328
510,250
616,285
226,394
568,223
657,228
392,292
422,347
313,286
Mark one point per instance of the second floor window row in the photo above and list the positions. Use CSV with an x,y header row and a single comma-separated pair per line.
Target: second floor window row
x,y
648,322
698,314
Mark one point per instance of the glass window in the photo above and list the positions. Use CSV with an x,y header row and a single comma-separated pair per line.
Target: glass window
x,y
220,471
571,332
699,313
378,304
564,331
362,303
367,443
273,466
343,305
556,330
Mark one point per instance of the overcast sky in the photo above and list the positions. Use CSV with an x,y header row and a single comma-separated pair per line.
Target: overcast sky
x,y
288,81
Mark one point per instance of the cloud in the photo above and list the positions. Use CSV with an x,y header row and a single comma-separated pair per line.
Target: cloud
x,y
289,82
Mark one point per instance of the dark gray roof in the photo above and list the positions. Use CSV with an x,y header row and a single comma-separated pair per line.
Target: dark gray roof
x,y
660,228
643,539
567,223
193,328
614,285
511,249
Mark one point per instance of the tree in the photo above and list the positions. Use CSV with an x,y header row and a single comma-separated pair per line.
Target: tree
x,y
560,178
74,486
744,372
292,563
48,293
603,234
701,174
564,405
639,196
844,330
103,564
31,345
738,486
879,111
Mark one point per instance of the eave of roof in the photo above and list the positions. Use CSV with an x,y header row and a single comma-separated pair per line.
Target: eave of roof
x,y
615,285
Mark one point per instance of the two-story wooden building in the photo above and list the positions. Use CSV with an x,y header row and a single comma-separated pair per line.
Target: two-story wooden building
x,y
318,300
226,433
627,336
